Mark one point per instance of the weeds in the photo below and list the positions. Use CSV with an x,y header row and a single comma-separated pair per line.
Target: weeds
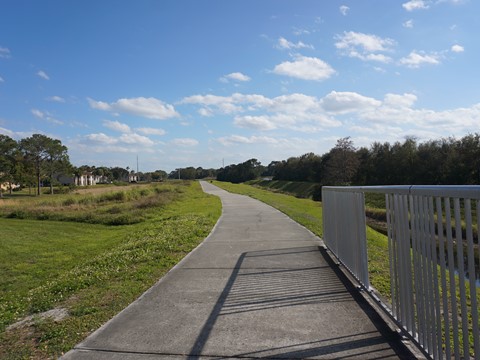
x,y
96,274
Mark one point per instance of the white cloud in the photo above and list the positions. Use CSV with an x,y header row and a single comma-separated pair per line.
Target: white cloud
x,y
37,113
237,139
457,48
299,31
416,59
399,101
184,142
346,102
131,139
56,99
235,76
135,139
285,44
297,112
5,53
117,126
305,68
262,122
344,10
415,5
364,46
101,138
43,75
408,24
151,131
99,105
225,105
150,108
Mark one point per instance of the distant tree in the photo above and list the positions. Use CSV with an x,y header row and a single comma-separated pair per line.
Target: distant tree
x,y
8,161
119,174
342,164
46,155
159,175
248,170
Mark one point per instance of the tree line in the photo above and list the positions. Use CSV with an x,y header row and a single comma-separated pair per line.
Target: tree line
x,y
446,161
38,160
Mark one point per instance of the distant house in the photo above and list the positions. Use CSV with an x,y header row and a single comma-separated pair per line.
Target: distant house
x,y
132,177
6,186
89,178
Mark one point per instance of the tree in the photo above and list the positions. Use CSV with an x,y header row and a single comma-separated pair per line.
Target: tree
x,y
343,163
8,161
46,155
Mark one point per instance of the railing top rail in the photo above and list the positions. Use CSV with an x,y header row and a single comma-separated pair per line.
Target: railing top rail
x,y
454,191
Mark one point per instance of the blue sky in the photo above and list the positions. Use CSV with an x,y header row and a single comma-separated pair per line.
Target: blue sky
x,y
195,83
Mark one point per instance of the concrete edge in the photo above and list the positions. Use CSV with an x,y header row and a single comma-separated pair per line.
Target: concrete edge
x,y
80,345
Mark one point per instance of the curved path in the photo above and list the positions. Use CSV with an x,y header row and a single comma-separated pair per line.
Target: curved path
x,y
259,286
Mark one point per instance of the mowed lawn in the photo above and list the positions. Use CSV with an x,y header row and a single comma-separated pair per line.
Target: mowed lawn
x,y
91,268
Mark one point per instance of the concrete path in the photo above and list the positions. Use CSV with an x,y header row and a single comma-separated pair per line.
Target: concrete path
x,y
258,287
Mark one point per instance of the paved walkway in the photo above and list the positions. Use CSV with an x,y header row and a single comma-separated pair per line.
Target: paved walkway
x,y
258,287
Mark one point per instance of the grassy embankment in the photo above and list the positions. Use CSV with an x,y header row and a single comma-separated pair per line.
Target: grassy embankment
x,y
89,256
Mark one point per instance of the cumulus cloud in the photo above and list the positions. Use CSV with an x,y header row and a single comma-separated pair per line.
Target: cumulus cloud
x,y
151,131
457,48
415,5
121,142
408,24
365,47
5,53
56,99
235,76
117,126
285,44
298,112
344,10
46,116
346,102
150,108
184,142
237,139
305,68
416,59
37,113
43,75
262,122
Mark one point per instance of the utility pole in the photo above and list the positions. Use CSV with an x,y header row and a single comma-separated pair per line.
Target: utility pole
x,y
178,173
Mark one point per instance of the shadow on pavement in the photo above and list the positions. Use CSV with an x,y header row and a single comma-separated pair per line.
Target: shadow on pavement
x,y
255,289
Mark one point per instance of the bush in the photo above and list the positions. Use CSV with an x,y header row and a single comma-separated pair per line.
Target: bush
x,y
317,193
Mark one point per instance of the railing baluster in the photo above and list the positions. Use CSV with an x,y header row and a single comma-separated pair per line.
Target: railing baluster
x,y
441,240
427,264
461,277
471,275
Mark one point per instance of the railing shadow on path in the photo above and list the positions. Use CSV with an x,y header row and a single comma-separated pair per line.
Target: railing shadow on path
x,y
256,289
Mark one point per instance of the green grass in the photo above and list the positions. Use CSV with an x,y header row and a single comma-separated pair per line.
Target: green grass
x,y
93,271
128,205
300,189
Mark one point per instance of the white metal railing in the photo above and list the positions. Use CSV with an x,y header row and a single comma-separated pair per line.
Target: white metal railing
x,y
432,247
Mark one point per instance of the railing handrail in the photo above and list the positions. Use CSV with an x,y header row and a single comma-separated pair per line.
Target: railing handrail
x,y
424,248
453,191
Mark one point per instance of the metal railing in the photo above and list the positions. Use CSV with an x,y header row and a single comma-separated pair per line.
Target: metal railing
x,y
432,242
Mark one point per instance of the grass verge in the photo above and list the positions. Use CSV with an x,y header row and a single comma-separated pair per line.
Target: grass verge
x,y
92,271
